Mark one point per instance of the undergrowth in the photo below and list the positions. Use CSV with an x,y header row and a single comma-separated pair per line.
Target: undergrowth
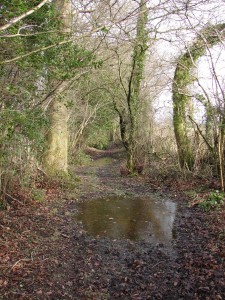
x,y
214,201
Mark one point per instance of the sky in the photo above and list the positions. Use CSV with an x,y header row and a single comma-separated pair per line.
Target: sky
x,y
173,44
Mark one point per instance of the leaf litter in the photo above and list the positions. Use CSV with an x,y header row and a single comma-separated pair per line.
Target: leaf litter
x,y
46,254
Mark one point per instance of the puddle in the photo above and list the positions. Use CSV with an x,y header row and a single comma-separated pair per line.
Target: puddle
x,y
119,217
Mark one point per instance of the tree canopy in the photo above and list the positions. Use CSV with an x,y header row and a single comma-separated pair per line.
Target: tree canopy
x,y
107,64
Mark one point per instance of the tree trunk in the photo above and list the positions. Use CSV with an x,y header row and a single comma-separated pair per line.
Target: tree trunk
x,y
56,157
55,160
130,127
182,79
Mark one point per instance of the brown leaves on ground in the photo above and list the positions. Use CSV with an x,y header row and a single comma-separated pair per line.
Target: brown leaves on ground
x,y
45,254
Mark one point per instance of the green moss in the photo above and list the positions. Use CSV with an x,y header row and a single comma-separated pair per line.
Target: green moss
x,y
182,79
132,115
38,195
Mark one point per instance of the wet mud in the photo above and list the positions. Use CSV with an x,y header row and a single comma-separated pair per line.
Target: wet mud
x,y
112,237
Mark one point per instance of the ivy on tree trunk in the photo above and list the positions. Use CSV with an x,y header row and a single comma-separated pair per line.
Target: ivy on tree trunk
x,y
183,77
129,118
56,156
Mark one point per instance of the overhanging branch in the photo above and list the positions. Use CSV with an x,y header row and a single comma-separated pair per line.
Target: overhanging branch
x,y
24,15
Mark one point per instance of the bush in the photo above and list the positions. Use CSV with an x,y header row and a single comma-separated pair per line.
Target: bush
x,y
213,201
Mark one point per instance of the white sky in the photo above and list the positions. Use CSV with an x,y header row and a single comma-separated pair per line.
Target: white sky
x,y
173,44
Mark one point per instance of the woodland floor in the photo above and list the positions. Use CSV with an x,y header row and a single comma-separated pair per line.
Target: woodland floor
x,y
46,254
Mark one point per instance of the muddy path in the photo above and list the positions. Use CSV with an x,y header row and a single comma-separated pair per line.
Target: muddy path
x,y
48,254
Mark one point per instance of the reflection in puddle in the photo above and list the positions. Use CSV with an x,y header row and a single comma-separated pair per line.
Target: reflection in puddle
x,y
146,219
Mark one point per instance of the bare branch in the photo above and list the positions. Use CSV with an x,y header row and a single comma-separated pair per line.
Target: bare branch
x,y
29,34
35,51
202,135
24,15
48,47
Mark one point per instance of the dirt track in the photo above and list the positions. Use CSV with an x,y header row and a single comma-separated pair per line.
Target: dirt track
x,y
46,254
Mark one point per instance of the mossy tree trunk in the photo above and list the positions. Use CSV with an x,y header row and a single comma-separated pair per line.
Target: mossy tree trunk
x,y
129,117
209,37
56,156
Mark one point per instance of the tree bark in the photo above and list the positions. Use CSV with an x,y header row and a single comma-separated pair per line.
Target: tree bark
x,y
130,117
209,37
56,156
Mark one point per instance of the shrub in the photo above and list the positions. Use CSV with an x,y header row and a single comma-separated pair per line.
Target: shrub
x,y
213,201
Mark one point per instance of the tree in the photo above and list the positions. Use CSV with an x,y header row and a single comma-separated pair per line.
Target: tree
x,y
23,121
181,96
129,116
56,157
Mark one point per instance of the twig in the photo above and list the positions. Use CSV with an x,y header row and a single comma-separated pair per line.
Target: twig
x,y
65,236
25,260
202,135
18,261
14,198
42,171
158,263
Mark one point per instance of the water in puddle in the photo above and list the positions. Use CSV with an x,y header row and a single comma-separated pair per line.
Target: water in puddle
x,y
146,219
